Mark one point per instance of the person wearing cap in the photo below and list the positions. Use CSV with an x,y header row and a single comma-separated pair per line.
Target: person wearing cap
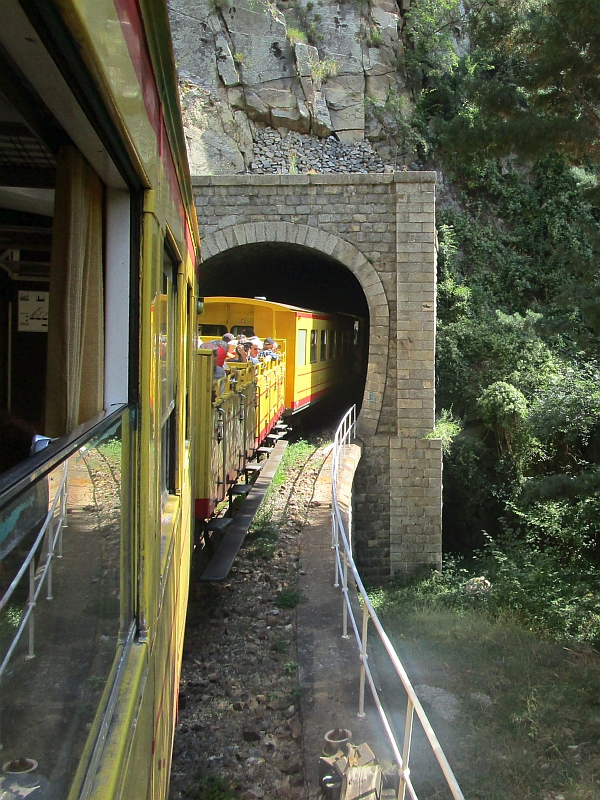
x,y
269,351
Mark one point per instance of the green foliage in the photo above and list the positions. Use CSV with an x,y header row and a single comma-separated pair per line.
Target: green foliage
x,y
433,27
397,115
296,36
447,428
503,408
288,598
320,70
211,787
373,37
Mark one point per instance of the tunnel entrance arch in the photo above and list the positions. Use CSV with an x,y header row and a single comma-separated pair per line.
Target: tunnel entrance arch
x,y
382,228
345,253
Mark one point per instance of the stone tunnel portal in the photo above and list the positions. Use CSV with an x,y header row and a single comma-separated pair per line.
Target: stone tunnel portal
x,y
300,276
381,230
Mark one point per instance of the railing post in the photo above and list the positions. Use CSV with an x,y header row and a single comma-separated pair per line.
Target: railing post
x,y
62,522
363,661
345,599
31,605
408,729
50,553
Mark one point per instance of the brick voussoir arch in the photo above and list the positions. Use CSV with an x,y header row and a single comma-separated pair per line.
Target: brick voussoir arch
x,y
348,255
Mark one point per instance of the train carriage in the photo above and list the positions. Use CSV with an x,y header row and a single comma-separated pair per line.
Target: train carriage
x,y
98,310
322,349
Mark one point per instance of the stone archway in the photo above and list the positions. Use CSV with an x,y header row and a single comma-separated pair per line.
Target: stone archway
x,y
382,228
347,254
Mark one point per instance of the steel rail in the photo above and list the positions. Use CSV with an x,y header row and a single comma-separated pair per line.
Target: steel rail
x,y
344,562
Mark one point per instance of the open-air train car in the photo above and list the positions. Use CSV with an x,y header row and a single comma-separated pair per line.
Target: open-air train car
x,y
98,300
321,349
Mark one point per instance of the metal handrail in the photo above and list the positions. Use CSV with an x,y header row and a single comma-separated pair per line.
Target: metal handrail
x,y
35,584
344,563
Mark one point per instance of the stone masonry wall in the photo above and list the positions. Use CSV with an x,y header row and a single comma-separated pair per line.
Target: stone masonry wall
x,y
381,227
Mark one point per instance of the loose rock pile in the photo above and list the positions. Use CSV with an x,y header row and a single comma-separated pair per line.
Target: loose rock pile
x,y
293,152
239,698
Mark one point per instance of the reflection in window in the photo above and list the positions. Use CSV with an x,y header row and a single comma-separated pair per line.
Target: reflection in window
x,y
313,346
75,635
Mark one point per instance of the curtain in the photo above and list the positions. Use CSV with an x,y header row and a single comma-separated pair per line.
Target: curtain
x,y
75,372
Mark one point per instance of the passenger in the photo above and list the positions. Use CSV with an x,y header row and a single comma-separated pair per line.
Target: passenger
x,y
229,342
269,353
240,355
254,353
219,371
222,348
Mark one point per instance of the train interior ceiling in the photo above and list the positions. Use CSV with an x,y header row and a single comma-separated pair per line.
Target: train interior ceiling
x,y
295,275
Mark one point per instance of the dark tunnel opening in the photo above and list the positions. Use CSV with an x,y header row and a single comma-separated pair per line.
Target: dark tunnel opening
x,y
297,275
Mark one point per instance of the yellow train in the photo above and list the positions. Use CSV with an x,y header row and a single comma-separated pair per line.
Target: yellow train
x,y
98,314
236,412
322,350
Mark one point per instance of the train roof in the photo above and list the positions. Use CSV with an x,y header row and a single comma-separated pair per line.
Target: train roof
x,y
271,304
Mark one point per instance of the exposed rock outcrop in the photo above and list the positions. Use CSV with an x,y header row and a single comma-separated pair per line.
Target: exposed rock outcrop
x,y
309,67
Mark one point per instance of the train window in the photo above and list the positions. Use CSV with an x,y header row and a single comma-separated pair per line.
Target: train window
x,y
166,366
246,330
313,346
323,345
332,343
301,347
212,330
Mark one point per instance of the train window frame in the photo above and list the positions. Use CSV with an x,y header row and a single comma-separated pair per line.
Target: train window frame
x,y
301,340
323,353
313,346
169,318
244,330
212,332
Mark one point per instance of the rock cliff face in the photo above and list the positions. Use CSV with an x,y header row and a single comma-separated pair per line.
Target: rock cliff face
x,y
317,69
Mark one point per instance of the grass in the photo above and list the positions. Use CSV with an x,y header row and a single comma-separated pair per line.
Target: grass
x,y
296,36
288,598
211,787
264,531
540,738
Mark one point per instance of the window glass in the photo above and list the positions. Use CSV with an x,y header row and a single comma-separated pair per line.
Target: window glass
x,y
166,360
323,345
212,330
246,330
332,343
313,346
301,347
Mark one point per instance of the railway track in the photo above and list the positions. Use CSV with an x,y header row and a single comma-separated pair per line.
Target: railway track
x,y
239,732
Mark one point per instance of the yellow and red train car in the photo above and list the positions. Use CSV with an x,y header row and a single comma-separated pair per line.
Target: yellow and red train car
x,y
98,313
322,349
236,414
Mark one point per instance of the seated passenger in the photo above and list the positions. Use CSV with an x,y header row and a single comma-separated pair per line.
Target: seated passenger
x,y
269,353
219,371
254,353
229,342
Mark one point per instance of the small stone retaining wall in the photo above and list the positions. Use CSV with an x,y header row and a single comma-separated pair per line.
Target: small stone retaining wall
x,y
382,228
